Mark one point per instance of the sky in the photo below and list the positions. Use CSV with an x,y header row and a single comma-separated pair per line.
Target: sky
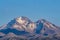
x,y
33,9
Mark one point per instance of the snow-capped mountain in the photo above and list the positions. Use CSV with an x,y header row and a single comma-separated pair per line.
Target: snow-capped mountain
x,y
46,28
23,27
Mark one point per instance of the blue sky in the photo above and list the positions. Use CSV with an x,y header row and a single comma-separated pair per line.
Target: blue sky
x,y
33,9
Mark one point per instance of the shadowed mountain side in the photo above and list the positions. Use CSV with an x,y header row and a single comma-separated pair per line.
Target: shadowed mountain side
x,y
17,32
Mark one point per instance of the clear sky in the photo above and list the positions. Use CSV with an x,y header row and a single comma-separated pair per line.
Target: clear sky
x,y
33,9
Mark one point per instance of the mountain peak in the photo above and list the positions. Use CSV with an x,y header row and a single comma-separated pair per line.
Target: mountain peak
x,y
41,21
22,19
19,20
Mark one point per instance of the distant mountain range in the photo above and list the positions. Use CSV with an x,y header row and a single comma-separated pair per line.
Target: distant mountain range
x,y
22,28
